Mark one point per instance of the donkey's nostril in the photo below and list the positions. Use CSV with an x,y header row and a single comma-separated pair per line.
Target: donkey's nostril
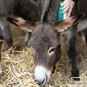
x,y
39,82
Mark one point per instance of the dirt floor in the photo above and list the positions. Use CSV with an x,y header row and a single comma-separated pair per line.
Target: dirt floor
x,y
18,67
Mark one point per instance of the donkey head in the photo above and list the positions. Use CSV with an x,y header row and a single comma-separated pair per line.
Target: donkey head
x,y
45,44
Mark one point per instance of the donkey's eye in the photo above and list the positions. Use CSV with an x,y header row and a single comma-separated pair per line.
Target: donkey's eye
x,y
51,50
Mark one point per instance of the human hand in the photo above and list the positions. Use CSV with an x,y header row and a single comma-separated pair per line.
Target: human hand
x,y
68,6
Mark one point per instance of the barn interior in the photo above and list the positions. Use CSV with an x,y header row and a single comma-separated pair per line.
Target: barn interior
x,y
18,64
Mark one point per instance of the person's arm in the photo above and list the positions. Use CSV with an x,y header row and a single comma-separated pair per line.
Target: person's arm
x,y
68,6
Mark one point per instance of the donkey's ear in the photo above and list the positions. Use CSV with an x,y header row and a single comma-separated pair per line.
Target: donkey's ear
x,y
65,24
22,24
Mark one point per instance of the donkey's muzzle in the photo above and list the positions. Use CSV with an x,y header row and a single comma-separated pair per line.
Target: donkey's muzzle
x,y
41,75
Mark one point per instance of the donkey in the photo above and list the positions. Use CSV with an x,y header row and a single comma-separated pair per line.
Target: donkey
x,y
45,44
45,41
